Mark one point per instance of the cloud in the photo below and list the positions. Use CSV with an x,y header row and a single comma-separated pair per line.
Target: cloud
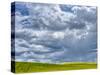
x,y
86,13
55,33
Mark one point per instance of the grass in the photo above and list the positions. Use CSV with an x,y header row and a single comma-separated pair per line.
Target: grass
x,y
26,67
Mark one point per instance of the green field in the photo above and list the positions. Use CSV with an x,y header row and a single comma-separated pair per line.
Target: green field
x,y
25,67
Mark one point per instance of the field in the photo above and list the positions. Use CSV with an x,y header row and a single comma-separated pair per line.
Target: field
x,y
25,67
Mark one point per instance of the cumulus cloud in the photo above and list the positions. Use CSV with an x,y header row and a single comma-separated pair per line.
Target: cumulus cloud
x,y
86,13
55,33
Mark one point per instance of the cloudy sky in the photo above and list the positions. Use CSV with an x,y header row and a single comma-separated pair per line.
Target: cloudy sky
x,y
54,33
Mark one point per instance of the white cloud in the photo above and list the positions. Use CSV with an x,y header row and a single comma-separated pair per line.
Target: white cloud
x,y
58,35
49,34
85,13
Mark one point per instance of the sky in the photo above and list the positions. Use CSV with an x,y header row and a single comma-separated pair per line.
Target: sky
x,y
54,33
